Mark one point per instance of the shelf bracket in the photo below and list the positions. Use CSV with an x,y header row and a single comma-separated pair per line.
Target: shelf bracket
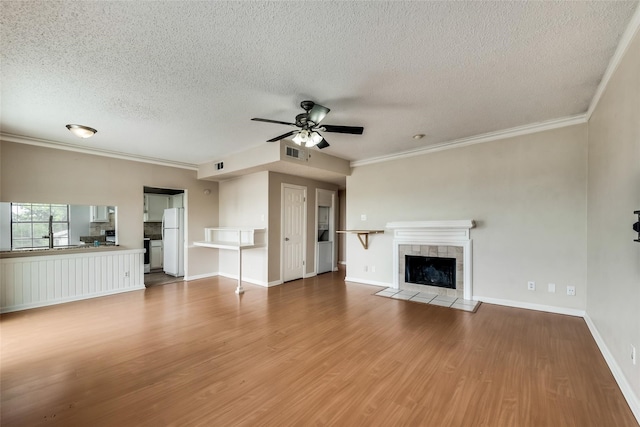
x,y
365,242
363,235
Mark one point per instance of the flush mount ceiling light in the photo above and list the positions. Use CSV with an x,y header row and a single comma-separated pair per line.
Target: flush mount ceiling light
x,y
418,136
82,131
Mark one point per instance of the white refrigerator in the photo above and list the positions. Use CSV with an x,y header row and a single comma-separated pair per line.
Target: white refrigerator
x,y
173,241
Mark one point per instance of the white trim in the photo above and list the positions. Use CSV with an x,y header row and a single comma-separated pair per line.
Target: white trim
x,y
368,282
94,151
625,41
342,262
244,279
477,139
531,306
275,283
200,276
309,275
625,387
21,307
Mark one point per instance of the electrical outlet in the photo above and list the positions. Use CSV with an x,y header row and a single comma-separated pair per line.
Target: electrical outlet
x,y
552,287
633,354
373,268
571,290
363,217
366,268
531,286
126,274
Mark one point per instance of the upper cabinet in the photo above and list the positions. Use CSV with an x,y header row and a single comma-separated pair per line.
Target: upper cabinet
x,y
154,206
177,201
98,214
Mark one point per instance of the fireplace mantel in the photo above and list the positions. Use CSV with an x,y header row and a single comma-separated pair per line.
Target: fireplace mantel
x,y
451,233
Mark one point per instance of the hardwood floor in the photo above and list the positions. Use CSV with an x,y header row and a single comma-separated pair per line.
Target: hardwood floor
x,y
310,352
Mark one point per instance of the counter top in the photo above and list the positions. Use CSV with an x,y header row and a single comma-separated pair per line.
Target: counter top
x,y
58,251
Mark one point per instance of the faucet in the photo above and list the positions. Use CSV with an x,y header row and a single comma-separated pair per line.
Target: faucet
x,y
50,236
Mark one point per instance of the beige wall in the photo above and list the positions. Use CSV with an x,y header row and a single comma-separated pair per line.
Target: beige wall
x,y
244,202
37,174
614,193
527,195
275,207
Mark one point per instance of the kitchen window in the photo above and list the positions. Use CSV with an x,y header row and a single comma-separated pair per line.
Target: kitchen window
x,y
30,225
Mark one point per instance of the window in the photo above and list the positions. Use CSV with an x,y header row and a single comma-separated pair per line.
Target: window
x,y
30,225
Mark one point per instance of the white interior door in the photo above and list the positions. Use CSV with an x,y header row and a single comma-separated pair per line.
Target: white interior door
x,y
293,231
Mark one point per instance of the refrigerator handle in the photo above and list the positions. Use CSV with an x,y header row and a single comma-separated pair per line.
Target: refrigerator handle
x,y
163,226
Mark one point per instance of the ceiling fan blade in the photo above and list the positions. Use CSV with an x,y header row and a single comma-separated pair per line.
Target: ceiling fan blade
x,y
283,136
317,113
322,144
273,121
356,130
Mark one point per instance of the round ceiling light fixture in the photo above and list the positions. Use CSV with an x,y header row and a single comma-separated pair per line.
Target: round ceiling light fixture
x,y
82,131
418,136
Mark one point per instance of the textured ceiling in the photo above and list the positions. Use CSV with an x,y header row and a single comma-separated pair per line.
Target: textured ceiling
x,y
180,80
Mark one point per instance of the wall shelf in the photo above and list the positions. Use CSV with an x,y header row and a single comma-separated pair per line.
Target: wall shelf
x,y
234,239
363,235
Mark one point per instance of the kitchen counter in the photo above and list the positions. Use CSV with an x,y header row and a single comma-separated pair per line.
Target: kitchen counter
x,y
19,253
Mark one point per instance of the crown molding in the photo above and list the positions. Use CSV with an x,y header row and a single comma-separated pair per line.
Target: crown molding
x,y
478,139
94,151
625,41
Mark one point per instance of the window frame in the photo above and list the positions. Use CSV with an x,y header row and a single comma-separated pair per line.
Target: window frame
x,y
33,237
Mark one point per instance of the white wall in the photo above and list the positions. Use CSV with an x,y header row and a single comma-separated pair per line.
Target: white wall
x,y
5,226
527,195
79,216
613,275
244,202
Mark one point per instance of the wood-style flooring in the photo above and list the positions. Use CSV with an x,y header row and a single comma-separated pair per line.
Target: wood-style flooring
x,y
310,352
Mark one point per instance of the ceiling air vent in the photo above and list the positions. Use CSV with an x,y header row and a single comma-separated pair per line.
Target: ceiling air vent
x,y
219,166
295,153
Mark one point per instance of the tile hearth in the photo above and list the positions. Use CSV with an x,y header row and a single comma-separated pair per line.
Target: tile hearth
x,y
428,298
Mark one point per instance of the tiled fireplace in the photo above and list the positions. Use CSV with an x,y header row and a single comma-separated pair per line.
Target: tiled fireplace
x,y
433,245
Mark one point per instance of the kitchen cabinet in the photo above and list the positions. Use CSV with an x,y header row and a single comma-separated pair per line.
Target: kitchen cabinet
x,y
177,201
98,214
156,254
154,206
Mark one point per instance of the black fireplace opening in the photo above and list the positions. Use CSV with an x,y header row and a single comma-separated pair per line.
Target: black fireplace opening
x,y
433,271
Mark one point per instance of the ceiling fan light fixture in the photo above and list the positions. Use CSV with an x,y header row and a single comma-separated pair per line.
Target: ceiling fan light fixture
x,y
82,131
299,139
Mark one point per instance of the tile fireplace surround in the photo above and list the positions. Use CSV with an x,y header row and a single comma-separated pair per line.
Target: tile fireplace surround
x,y
434,238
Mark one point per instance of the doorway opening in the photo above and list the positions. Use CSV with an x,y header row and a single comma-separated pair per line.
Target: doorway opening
x,y
165,224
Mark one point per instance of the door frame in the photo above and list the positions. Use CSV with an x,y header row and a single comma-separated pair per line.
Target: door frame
x,y
332,228
304,228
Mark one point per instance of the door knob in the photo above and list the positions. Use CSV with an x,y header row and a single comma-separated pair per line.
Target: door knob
x,y
286,239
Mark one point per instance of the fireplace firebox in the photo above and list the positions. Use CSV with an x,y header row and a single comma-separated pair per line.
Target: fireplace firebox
x,y
433,271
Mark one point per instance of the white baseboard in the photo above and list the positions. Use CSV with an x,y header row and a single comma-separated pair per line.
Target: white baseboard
x,y
245,279
71,299
200,276
342,262
275,283
531,306
625,387
308,275
368,282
